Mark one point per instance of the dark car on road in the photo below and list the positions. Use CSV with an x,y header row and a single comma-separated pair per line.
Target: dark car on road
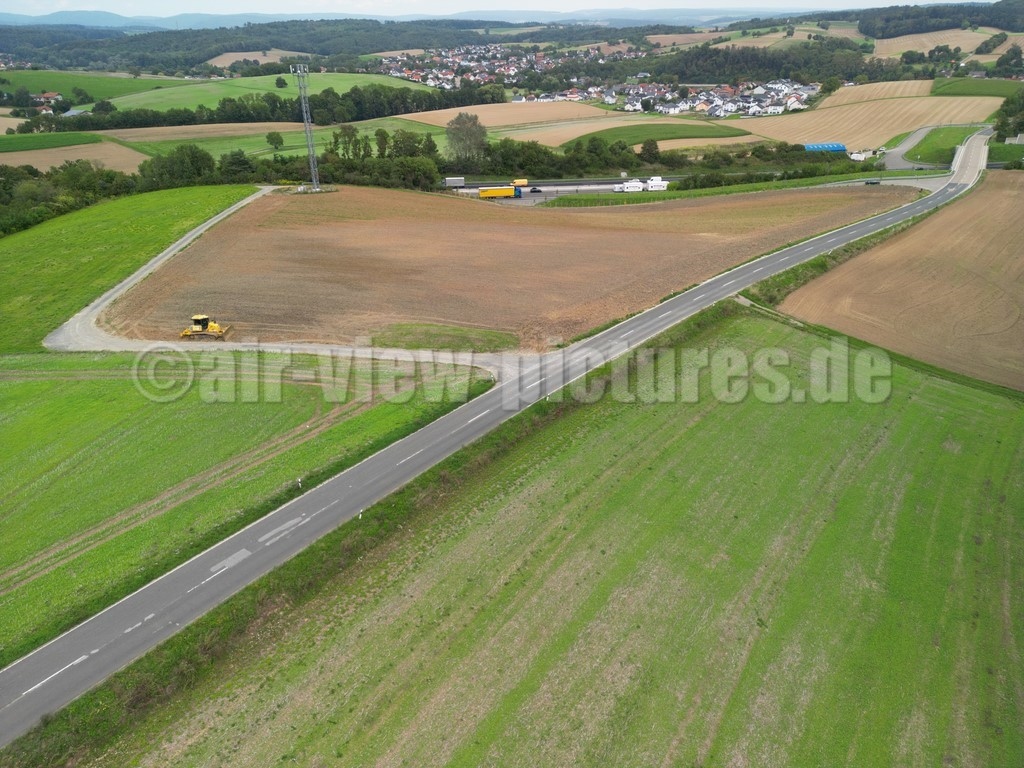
x,y
535,189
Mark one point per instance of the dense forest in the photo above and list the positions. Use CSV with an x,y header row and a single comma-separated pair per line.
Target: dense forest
x,y
332,43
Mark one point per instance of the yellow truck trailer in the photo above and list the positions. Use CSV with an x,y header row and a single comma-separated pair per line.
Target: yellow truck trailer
x,y
506,191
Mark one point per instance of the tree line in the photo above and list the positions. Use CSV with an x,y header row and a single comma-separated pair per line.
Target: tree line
x,y
326,108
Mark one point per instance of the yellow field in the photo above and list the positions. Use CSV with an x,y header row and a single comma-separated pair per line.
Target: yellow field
x,y
681,39
9,122
263,57
106,154
964,38
501,115
871,124
764,41
404,51
898,89
694,143
556,134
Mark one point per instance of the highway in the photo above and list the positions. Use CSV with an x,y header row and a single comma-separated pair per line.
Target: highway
x,y
57,673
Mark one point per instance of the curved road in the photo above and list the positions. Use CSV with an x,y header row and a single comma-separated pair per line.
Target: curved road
x,y
55,674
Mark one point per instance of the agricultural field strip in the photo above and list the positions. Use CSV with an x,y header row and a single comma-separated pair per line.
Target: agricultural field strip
x,y
63,669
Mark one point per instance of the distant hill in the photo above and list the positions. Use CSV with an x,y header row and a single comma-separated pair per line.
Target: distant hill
x,y
617,17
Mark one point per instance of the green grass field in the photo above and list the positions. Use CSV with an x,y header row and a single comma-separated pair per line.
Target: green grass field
x,y
1005,153
210,92
98,85
55,269
450,337
106,489
661,582
294,141
938,145
26,142
969,86
637,134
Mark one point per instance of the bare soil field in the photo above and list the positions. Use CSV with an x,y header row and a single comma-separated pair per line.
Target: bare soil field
x,y
897,89
273,55
964,38
342,266
106,154
508,114
871,124
949,292
169,132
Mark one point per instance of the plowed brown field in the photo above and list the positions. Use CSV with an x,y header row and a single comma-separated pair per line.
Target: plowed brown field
x,y
271,55
950,291
338,267
508,114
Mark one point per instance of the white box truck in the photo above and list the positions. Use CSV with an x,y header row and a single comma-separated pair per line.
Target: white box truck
x,y
656,184
454,182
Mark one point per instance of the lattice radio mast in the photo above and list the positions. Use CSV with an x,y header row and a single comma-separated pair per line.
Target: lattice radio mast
x,y
301,71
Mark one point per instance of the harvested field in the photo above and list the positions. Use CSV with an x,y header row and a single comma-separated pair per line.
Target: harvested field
x,y
950,291
106,154
693,143
508,114
897,89
403,52
767,40
339,267
871,124
1011,40
965,39
682,39
170,132
273,55
9,122
556,134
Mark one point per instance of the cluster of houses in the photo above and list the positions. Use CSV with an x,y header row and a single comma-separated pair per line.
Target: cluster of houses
x,y
445,68
482,64
748,99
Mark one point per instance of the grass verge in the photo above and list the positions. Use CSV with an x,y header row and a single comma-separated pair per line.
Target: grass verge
x,y
444,337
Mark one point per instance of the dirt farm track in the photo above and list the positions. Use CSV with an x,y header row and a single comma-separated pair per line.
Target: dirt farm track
x,y
340,267
949,291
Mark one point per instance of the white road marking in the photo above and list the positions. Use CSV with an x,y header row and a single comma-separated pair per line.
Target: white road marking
x,y
235,559
665,315
758,269
133,626
463,426
729,283
272,534
535,384
79,660
149,617
410,456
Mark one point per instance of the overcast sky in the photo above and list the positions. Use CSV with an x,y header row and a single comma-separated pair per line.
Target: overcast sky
x,y
400,7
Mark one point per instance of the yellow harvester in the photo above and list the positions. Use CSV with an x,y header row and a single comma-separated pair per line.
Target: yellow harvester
x,y
204,328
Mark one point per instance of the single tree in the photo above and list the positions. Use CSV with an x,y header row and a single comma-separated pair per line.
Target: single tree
x,y
275,140
467,138
280,83
649,151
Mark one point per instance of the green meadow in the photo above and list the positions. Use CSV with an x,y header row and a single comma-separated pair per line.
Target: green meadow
x,y
98,85
56,268
688,129
26,142
714,573
106,488
969,86
210,92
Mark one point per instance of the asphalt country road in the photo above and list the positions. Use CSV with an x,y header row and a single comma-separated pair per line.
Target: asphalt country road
x,y
62,670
